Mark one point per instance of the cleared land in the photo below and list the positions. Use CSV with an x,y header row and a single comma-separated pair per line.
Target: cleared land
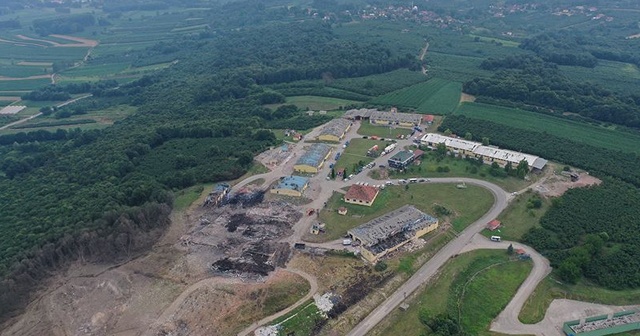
x,y
465,290
562,127
549,289
436,95
465,205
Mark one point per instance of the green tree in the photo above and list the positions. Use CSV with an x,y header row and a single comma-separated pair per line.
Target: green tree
x,y
468,136
485,141
333,174
510,249
448,132
522,169
569,272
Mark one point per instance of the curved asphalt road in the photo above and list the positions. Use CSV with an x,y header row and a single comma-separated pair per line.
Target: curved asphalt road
x,y
430,268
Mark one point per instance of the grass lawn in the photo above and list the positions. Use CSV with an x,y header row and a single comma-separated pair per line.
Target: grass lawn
x,y
459,168
425,96
316,103
549,289
185,197
367,128
578,131
356,153
444,101
519,218
466,206
300,321
281,295
464,289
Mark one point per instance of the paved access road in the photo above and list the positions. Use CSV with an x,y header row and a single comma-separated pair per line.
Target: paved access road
x,y
430,268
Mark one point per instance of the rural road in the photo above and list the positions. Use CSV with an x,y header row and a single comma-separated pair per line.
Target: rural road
x,y
40,113
430,268
313,290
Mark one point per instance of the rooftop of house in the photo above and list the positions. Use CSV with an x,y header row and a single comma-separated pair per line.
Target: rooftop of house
x,y
362,192
292,183
402,156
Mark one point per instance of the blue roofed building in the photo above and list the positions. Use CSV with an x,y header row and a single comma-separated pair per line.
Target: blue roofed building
x,y
291,186
313,159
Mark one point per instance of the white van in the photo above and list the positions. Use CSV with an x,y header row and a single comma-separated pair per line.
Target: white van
x,y
413,180
496,238
402,181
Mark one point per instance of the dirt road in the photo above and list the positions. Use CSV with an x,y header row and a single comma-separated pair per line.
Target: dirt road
x,y
422,54
40,113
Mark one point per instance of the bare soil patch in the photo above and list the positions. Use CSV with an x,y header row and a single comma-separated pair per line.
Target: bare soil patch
x,y
45,64
3,78
465,97
557,184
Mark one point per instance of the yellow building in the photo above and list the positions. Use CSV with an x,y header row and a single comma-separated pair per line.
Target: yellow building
x,y
291,186
402,120
361,195
313,159
389,232
334,130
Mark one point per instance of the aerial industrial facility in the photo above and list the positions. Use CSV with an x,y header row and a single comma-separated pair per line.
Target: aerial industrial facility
x,y
488,154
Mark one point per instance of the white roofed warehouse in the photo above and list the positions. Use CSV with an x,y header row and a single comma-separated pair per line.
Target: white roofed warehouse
x,y
334,130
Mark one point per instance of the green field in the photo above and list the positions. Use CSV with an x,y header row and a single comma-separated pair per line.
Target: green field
x,y
549,289
466,205
519,217
458,168
26,84
356,154
380,84
465,290
455,67
618,76
300,321
436,95
367,128
562,127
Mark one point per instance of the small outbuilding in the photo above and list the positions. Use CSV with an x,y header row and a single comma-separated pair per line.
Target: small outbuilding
x,y
494,225
342,211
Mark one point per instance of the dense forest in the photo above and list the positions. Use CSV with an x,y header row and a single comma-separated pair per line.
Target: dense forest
x,y
532,81
104,195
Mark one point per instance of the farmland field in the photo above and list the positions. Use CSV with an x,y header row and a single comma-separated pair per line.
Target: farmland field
x,y
618,76
316,103
356,153
574,130
454,67
26,84
375,85
433,96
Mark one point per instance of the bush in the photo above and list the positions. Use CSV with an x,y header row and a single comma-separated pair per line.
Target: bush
x,y
380,266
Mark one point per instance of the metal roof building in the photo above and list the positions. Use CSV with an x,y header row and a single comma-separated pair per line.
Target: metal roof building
x,y
313,158
291,185
334,130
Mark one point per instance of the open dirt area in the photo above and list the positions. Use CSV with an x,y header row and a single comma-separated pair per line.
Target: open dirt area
x,y
557,184
82,42
210,274
467,98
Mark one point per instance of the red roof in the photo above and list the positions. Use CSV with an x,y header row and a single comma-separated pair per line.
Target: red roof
x,y
520,251
428,118
361,192
494,224
417,153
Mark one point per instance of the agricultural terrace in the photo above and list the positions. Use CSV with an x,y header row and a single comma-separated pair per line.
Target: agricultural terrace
x,y
432,166
355,155
561,127
445,201
471,290
436,95
90,120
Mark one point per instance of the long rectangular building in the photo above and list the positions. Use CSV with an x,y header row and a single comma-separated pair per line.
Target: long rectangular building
x,y
334,130
488,154
313,159
389,232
